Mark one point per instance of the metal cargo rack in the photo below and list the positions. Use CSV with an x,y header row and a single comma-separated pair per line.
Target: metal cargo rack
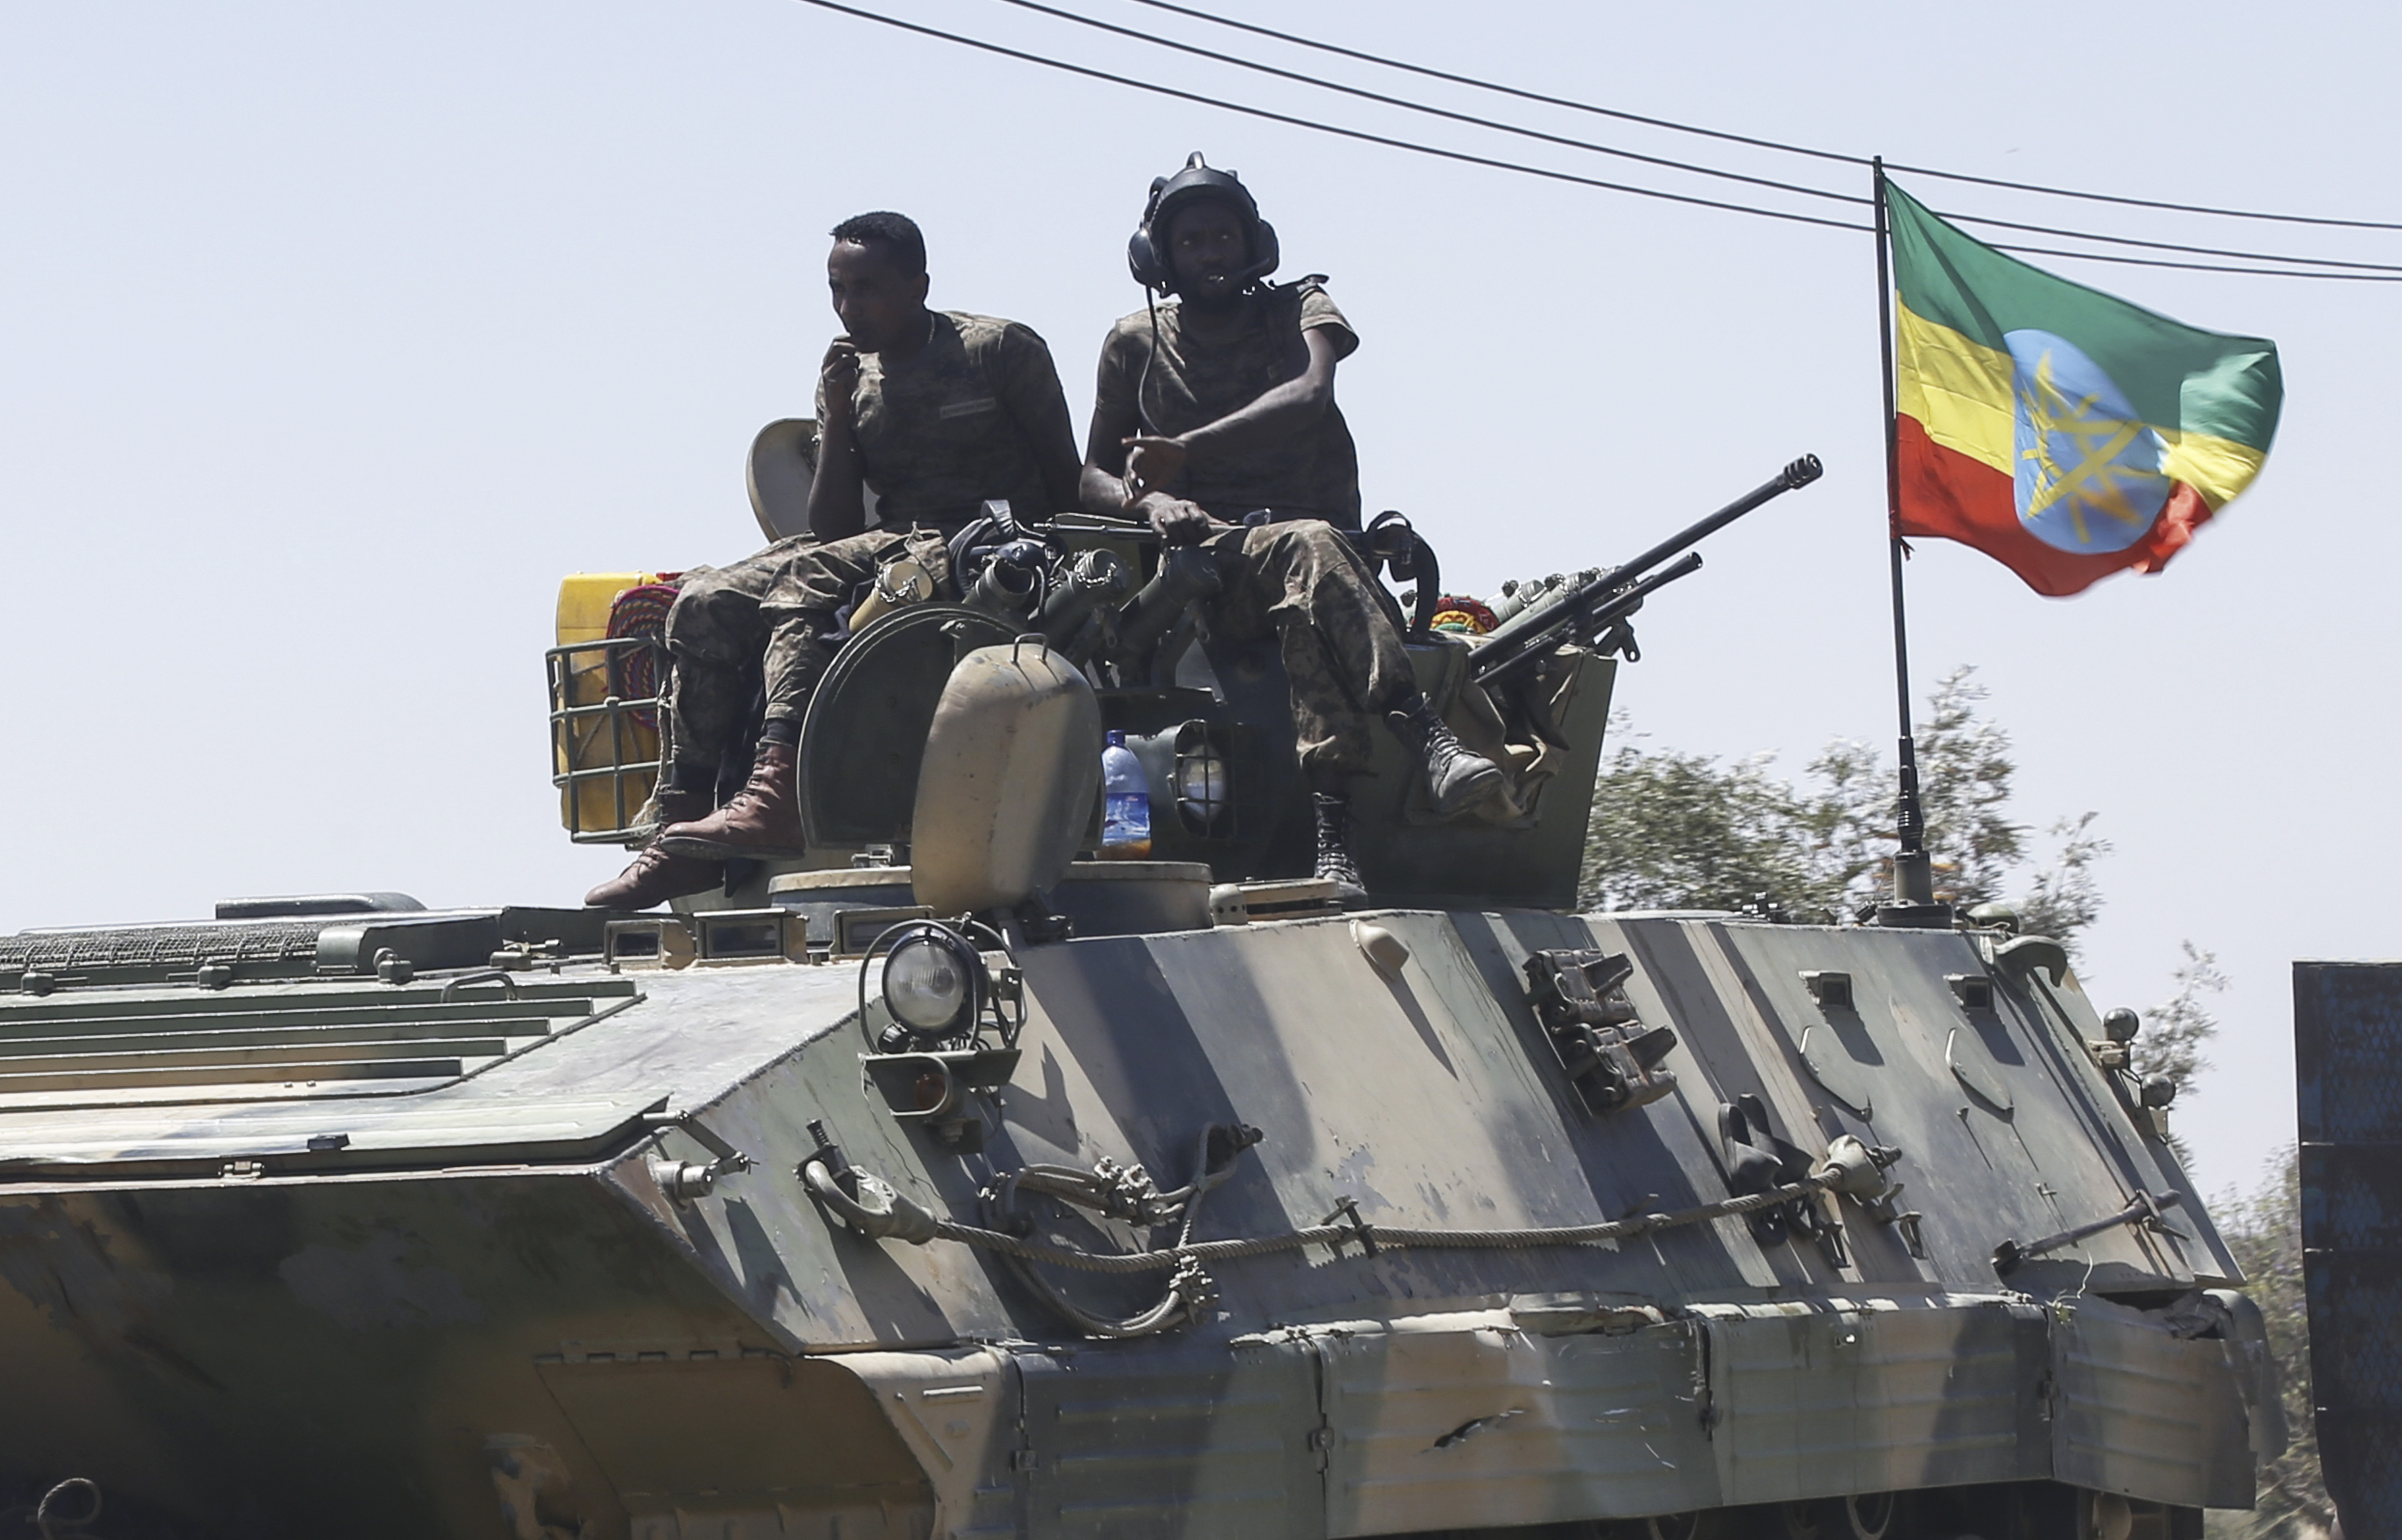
x,y
604,741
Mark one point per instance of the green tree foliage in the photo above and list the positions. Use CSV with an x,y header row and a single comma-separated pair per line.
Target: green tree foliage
x,y
2176,1033
2263,1228
1674,830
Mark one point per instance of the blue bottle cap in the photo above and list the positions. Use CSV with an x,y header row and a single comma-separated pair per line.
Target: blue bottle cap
x,y
1115,738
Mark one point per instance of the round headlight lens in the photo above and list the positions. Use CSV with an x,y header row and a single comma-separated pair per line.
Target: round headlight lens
x,y
1201,784
926,985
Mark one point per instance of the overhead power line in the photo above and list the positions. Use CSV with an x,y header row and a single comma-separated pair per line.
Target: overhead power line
x,y
1299,41
2174,246
1549,173
2145,202
1697,130
2199,266
1287,119
1521,131
1255,67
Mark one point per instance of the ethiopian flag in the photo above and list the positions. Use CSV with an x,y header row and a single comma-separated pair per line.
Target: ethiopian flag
x,y
2062,432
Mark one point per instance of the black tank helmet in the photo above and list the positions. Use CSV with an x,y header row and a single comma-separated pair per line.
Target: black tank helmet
x,y
1147,248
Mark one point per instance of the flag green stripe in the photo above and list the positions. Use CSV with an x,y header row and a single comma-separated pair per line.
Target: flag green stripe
x,y
2176,377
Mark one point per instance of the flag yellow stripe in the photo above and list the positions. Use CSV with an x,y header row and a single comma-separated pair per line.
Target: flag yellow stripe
x,y
2218,468
1959,391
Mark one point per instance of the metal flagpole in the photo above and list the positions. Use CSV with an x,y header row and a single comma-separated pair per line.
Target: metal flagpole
x,y
1913,873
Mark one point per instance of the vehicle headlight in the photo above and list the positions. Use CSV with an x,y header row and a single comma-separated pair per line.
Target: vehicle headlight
x,y
929,982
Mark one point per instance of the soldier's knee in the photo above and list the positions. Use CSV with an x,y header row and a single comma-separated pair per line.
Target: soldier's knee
x,y
1309,535
1325,546
703,622
1298,542
701,581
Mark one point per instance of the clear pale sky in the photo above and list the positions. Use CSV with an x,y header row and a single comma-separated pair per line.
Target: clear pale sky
x,y
331,335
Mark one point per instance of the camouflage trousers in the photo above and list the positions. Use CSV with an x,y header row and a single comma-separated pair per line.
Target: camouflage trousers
x,y
775,608
1302,583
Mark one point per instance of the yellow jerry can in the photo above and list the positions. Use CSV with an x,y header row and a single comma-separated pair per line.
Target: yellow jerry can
x,y
604,734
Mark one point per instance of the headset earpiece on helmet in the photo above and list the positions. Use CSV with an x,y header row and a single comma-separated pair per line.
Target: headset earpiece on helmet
x,y
1147,248
1143,259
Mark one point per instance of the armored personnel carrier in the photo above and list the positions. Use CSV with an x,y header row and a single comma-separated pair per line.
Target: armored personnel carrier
x,y
958,1183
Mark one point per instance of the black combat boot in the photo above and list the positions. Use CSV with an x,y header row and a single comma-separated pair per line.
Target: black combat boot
x,y
1335,863
654,876
1455,778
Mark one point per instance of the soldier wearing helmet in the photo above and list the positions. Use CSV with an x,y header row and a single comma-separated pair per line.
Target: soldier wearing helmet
x,y
1214,420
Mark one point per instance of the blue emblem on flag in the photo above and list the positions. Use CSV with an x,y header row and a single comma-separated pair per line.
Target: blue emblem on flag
x,y
2090,477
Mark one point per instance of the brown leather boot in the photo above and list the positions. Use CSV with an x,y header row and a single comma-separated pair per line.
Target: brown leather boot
x,y
760,822
654,876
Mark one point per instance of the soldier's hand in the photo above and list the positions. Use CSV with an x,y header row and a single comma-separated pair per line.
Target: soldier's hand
x,y
1178,522
1151,463
837,378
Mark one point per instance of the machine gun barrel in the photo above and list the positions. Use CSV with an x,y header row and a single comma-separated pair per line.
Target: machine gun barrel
x,y
1490,666
1579,610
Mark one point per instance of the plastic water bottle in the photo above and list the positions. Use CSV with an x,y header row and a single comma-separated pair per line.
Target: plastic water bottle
x,y
1126,803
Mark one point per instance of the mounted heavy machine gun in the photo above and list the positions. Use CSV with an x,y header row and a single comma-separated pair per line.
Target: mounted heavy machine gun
x,y
1592,609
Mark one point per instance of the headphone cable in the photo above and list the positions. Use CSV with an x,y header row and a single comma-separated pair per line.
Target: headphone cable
x,y
1142,382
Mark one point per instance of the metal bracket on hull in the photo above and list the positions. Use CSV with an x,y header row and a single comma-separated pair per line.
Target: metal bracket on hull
x,y
1613,1058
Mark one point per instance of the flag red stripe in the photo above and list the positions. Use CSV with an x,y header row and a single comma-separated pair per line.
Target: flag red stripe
x,y
1950,496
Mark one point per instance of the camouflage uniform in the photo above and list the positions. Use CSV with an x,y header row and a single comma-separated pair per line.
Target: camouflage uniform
x,y
1173,382
938,434
777,606
1302,583
1295,577
957,423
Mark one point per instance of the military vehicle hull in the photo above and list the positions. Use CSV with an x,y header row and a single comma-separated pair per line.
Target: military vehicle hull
x,y
496,1294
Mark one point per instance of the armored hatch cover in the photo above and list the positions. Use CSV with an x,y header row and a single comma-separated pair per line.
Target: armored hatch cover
x,y
866,732
333,1075
304,938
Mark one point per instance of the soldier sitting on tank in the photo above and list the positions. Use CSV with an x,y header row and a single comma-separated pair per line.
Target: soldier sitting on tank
x,y
1215,420
938,411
